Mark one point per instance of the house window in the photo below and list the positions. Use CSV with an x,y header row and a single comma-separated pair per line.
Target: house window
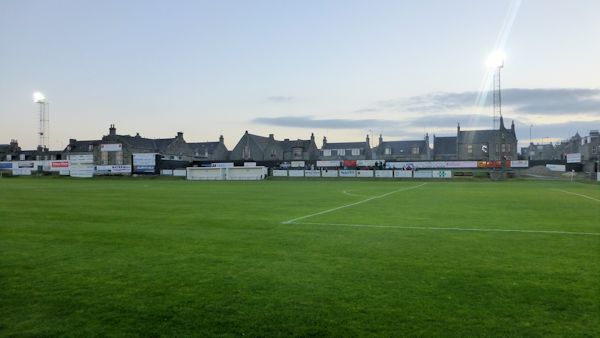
x,y
297,152
416,150
355,152
9,157
470,148
119,157
21,157
508,147
327,152
593,149
497,148
388,151
90,147
503,147
341,152
104,157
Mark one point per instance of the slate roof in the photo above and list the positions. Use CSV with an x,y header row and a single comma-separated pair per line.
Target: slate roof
x,y
201,148
346,145
260,141
444,145
476,136
82,146
288,145
403,147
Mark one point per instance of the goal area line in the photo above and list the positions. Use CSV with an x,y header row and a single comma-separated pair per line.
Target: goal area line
x,y
551,232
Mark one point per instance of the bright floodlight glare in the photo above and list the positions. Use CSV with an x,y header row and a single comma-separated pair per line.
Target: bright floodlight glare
x,y
38,97
496,59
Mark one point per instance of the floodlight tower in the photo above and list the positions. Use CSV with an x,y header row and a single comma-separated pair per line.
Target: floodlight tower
x,y
496,62
44,112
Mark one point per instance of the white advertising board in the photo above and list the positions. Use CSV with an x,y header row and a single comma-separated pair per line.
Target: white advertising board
x,y
328,164
364,173
519,164
179,172
368,163
113,169
26,165
329,173
111,147
144,159
347,173
297,164
205,173
245,173
431,165
574,158
166,172
296,173
312,173
280,173
249,164
82,172
556,167
423,174
21,172
81,159
384,173
442,174
403,173
64,172
222,165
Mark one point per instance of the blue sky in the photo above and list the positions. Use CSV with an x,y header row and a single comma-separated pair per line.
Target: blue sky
x,y
336,68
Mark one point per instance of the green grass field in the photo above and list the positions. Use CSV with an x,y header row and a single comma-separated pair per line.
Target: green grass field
x,y
165,257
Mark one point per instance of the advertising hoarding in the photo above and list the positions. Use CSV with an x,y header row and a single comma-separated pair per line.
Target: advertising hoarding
x,y
297,164
312,173
111,147
574,158
280,173
328,164
384,173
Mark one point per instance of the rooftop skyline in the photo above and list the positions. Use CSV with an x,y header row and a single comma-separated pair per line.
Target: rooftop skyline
x,y
341,69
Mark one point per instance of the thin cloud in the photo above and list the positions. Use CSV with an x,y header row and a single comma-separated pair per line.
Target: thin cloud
x,y
279,99
310,122
528,101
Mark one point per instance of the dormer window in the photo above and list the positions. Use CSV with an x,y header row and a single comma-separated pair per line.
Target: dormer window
x,y
388,151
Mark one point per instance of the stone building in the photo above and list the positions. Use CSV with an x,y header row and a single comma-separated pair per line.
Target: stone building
x,y
487,145
10,152
415,150
477,145
346,150
300,150
590,149
257,148
210,151
444,148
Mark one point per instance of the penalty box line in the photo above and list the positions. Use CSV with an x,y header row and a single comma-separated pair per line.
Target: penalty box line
x,y
351,204
552,232
580,195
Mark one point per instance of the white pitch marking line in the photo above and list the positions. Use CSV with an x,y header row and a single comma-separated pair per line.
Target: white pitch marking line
x,y
581,195
455,229
347,192
352,204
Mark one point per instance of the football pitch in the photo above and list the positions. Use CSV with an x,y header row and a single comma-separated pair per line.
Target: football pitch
x,y
166,257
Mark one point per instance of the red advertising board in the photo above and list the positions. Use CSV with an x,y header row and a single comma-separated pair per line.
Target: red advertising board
x,y
349,163
60,164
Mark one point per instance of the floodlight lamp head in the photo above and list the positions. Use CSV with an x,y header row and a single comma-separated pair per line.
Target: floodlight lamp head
x,y
38,97
496,59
